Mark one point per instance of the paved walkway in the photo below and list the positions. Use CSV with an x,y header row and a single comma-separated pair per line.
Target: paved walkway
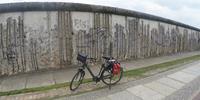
x,y
178,85
160,88
44,78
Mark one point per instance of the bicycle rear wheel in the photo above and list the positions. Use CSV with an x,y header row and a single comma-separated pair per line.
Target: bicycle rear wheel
x,y
77,80
109,79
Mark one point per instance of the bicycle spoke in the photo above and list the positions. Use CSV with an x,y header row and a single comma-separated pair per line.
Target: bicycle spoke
x,y
107,76
76,81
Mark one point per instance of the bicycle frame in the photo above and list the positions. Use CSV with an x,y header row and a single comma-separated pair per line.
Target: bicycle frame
x,y
104,73
95,78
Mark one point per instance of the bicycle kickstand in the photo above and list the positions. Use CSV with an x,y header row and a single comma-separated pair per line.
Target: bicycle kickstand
x,y
110,85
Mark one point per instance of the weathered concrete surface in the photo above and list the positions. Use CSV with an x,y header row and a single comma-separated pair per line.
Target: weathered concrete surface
x,y
120,90
149,88
42,78
193,72
1,80
171,83
13,83
57,6
50,37
124,95
182,77
160,88
63,75
145,93
103,98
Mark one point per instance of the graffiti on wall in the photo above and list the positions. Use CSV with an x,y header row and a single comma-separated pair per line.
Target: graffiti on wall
x,y
81,24
37,49
65,38
93,41
157,41
119,41
141,41
13,46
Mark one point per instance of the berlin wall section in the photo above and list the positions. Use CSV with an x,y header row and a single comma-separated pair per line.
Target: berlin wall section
x,y
36,40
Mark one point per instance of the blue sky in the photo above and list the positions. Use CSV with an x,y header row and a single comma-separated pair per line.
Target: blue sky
x,y
185,11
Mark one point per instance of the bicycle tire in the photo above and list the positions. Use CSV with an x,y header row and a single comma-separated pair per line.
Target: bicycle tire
x,y
104,77
79,75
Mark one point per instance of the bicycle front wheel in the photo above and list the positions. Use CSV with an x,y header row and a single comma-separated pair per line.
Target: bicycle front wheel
x,y
109,78
77,80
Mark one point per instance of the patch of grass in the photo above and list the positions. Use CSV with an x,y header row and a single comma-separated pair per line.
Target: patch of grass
x,y
141,71
36,89
40,89
130,73
87,80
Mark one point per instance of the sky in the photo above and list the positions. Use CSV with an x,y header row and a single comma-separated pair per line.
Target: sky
x,y
184,11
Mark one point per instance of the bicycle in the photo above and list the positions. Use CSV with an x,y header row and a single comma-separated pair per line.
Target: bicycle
x,y
105,74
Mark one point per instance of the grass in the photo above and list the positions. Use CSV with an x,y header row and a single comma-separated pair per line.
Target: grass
x,y
142,71
42,88
130,73
36,89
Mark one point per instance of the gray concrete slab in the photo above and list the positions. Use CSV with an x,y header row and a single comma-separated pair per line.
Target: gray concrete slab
x,y
103,98
160,88
40,80
171,83
198,65
124,95
64,75
188,92
13,83
182,77
191,72
1,80
150,93
193,69
145,93
0,84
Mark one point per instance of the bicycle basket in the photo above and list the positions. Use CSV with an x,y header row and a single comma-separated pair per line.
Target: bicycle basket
x,y
81,58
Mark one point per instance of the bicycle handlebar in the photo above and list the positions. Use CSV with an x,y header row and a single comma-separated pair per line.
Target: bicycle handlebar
x,y
107,58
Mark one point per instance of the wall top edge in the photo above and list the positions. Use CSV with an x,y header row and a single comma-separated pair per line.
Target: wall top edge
x,y
61,6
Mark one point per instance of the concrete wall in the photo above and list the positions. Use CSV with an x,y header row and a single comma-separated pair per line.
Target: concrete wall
x,y
35,40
